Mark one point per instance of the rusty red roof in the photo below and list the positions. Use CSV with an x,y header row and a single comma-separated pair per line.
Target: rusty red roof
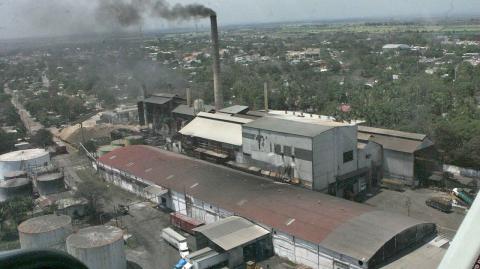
x,y
306,214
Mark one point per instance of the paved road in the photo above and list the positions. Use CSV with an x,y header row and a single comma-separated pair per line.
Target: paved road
x,y
29,122
145,224
397,202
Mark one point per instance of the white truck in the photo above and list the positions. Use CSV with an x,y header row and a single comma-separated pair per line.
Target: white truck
x,y
176,240
205,258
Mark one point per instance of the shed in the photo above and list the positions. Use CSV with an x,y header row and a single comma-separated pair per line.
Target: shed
x,y
232,232
400,150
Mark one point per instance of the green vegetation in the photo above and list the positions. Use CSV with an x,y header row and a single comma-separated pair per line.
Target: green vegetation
x,y
386,89
42,138
12,213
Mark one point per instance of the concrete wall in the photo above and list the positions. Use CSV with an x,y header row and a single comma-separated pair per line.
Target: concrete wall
x,y
398,164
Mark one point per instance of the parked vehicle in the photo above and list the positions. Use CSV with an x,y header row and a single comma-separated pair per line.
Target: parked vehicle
x,y
207,258
441,203
463,196
176,240
185,223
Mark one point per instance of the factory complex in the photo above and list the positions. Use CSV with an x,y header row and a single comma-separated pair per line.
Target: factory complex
x,y
306,227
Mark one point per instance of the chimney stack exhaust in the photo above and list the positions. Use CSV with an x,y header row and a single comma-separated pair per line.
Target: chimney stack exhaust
x,y
217,87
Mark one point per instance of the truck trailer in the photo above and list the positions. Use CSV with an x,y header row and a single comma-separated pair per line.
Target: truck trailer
x,y
184,223
176,240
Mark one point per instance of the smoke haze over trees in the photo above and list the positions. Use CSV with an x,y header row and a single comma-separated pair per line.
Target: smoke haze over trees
x,y
133,12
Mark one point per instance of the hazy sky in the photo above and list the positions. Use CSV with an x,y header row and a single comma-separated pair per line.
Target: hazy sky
x,y
23,18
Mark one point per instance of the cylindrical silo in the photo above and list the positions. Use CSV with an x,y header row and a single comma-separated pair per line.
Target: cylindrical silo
x,y
14,174
48,231
98,247
12,188
27,160
50,183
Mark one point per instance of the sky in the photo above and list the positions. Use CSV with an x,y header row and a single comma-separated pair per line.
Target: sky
x,y
27,18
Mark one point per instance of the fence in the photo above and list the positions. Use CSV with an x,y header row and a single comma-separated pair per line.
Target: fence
x,y
460,171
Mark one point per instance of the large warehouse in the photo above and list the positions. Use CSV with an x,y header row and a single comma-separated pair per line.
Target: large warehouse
x,y
314,152
308,227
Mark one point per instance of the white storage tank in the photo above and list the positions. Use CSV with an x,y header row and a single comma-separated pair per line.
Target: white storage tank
x,y
98,247
48,231
50,183
23,160
14,174
16,187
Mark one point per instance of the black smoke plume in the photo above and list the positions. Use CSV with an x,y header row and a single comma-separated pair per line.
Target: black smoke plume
x,y
133,12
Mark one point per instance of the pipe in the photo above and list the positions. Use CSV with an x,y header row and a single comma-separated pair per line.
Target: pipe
x,y
217,89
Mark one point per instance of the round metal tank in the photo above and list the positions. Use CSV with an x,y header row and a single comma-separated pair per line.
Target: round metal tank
x,y
23,160
98,247
106,149
50,183
118,143
14,174
14,188
48,231
134,140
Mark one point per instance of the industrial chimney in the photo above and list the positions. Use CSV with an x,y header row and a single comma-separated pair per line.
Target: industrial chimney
x,y
217,87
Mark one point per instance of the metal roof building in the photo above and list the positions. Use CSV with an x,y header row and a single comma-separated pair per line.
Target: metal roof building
x,y
400,150
325,229
310,151
232,232
218,135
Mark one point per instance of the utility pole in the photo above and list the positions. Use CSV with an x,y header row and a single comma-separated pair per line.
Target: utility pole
x,y
408,204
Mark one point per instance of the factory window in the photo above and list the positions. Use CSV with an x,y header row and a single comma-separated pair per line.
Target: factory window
x,y
303,154
278,149
287,150
348,156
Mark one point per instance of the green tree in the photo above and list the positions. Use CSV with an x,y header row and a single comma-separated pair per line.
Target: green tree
x,y
42,138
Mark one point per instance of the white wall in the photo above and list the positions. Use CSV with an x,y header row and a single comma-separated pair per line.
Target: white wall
x,y
372,153
264,152
328,151
398,164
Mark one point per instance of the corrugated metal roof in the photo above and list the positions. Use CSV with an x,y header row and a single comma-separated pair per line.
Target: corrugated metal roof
x,y
350,237
288,126
159,100
397,144
232,232
216,130
309,215
188,110
363,136
234,109
388,132
224,117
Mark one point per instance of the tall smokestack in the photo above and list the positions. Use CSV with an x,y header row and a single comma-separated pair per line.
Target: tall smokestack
x,y
217,87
